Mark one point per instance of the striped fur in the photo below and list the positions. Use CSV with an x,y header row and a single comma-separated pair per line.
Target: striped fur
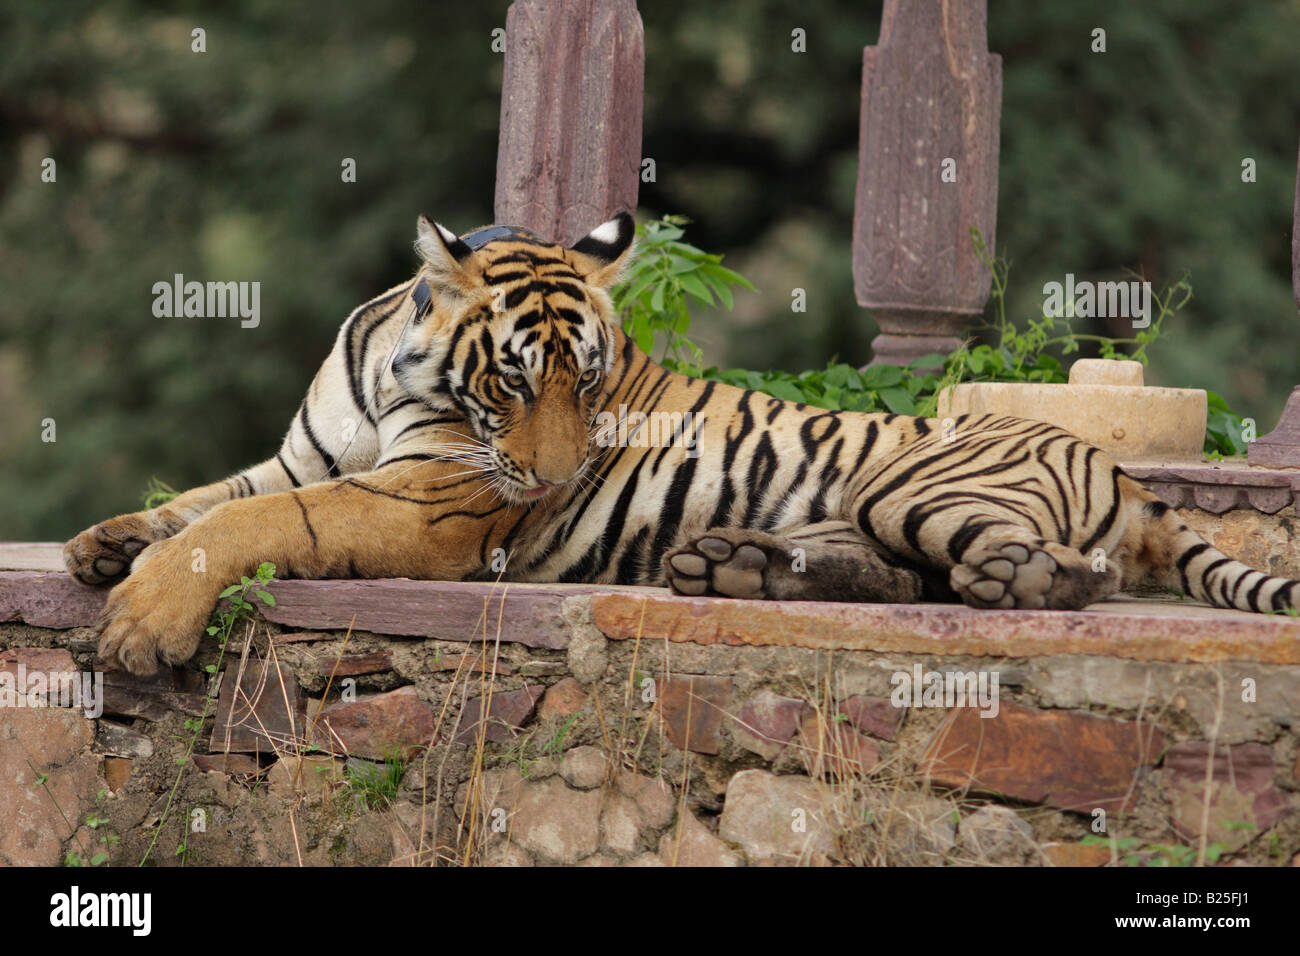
x,y
454,428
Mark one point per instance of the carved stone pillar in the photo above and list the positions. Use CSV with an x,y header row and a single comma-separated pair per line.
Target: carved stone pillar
x,y
1280,448
927,173
569,155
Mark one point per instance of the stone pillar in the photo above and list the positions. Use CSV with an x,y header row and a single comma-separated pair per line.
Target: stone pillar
x,y
569,155
1280,448
931,102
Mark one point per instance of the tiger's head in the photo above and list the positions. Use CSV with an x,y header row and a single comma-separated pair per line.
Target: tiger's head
x,y
517,335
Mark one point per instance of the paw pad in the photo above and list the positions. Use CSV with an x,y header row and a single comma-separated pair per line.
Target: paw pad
x,y
1009,576
714,565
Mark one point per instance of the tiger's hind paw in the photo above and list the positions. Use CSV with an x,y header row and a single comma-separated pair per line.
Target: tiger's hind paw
x,y
1030,575
713,565
827,561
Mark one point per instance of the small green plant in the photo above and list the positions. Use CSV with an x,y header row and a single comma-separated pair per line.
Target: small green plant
x,y
221,626
1031,354
376,785
652,299
106,840
74,857
1132,851
518,755
555,746
224,621
158,493
552,748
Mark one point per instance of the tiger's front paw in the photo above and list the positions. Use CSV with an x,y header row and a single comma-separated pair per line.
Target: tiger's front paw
x,y
158,613
105,551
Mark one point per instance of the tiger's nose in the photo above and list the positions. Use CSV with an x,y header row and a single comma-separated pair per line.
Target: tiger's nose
x,y
554,473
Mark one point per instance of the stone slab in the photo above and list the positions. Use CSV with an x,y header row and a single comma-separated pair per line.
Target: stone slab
x,y
448,610
1147,630
166,691
766,722
1243,799
691,708
1216,487
376,726
528,614
31,556
1067,759
1124,420
49,599
268,715
507,711
33,815
353,665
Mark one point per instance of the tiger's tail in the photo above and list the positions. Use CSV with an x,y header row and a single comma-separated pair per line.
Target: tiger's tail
x,y
1181,559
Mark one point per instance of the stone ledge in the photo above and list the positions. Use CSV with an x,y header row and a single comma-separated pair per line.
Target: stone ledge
x,y
528,614
534,615
1137,629
1217,487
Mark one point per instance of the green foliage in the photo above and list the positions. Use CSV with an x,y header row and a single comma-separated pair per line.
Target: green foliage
x,y
552,748
224,620
654,304
878,388
653,297
1223,429
555,746
1133,851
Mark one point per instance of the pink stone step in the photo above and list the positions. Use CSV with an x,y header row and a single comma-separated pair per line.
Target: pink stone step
x,y
532,615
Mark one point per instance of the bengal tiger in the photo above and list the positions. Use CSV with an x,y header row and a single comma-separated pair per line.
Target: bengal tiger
x,y
465,415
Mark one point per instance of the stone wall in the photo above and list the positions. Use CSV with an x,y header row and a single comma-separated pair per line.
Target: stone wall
x,y
605,727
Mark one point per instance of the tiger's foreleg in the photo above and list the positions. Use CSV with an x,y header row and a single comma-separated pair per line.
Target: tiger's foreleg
x,y
829,561
394,522
325,439
105,551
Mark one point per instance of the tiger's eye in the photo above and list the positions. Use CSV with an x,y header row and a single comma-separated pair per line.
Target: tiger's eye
x,y
589,376
515,379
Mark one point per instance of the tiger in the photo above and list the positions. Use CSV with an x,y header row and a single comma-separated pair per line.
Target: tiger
x,y
467,414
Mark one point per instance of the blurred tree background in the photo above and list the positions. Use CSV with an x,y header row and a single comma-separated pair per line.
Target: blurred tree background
x,y
225,165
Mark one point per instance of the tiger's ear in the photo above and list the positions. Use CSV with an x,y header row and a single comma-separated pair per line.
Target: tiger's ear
x,y
443,251
605,252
